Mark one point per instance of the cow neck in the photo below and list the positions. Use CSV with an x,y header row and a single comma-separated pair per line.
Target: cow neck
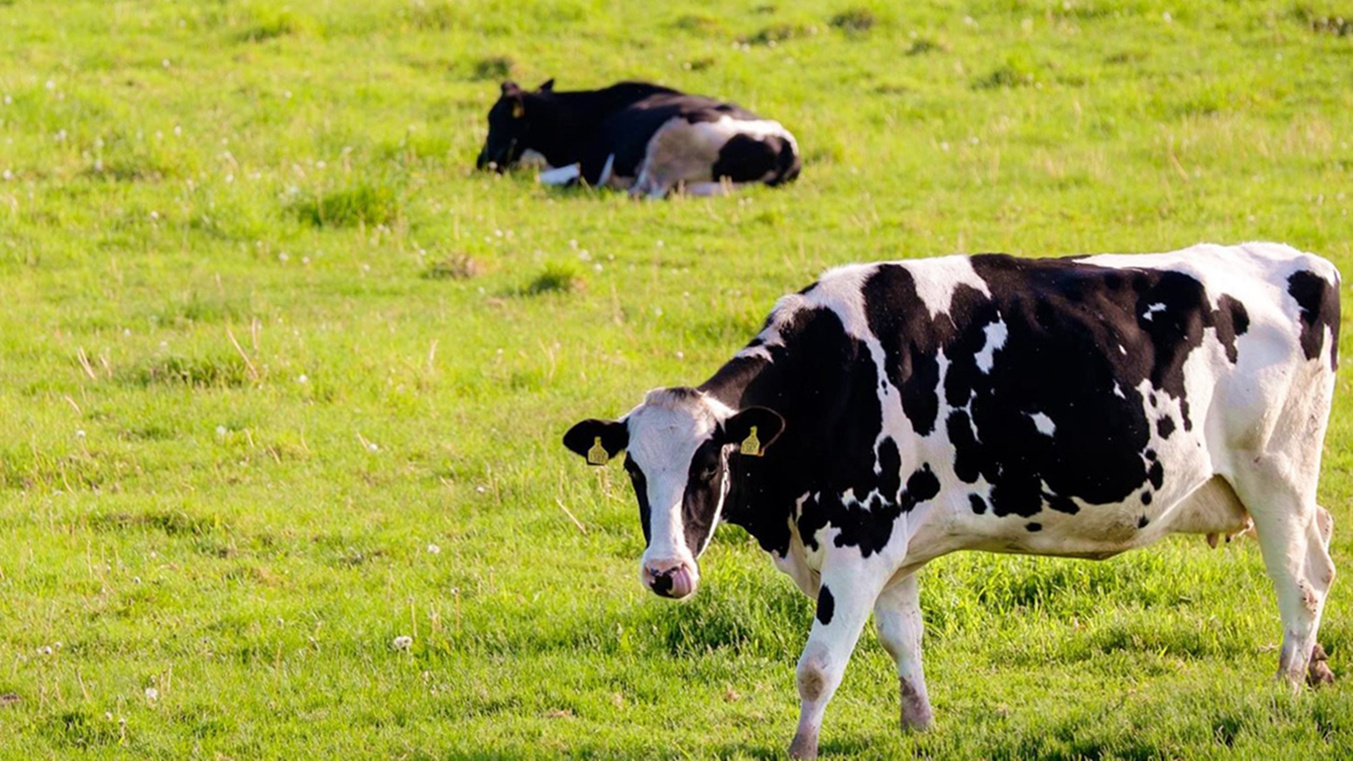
x,y
563,124
765,489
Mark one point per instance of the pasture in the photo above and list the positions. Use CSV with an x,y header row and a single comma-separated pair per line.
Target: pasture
x,y
283,380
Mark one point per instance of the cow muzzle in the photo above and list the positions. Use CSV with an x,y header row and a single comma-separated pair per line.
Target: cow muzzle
x,y
674,580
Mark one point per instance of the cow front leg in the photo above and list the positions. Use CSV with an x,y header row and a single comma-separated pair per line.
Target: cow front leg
x,y
897,617
843,604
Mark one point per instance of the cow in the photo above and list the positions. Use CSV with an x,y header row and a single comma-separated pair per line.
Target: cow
x,y
643,137
891,413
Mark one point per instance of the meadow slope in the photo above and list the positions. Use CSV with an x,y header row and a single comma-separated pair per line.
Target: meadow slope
x,y
283,379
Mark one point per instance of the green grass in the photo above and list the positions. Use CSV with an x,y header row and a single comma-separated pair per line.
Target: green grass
x,y
268,340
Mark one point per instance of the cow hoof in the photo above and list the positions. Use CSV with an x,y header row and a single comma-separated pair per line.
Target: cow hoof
x,y
1318,672
917,722
803,747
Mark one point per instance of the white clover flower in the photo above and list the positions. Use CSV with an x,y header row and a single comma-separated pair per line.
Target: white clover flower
x,y
434,549
152,694
79,433
220,430
302,378
403,642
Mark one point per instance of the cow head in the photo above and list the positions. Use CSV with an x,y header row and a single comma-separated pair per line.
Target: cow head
x,y
678,446
509,128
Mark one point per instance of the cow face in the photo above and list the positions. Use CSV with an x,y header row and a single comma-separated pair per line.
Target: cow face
x,y
509,128
679,444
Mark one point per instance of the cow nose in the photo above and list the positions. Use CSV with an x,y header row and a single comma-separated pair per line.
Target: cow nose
x,y
675,582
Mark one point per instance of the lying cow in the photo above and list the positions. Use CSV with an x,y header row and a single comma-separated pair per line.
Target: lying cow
x,y
636,136
892,413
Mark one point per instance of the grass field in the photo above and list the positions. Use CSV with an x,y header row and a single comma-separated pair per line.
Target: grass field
x,y
282,379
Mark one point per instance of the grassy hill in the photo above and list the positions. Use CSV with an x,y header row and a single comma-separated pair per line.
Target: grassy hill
x,y
282,379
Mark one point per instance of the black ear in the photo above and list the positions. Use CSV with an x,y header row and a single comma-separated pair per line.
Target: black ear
x,y
548,86
597,440
753,429
510,88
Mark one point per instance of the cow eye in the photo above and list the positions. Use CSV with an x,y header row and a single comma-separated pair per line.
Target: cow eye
x,y
709,472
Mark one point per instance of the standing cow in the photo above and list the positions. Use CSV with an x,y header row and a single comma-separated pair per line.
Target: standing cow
x,y
892,413
645,138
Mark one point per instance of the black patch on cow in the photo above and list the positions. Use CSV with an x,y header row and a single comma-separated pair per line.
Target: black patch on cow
x,y
869,525
1151,454
899,319
1165,426
979,505
1142,521
1034,526
922,486
1318,302
746,159
704,482
1156,474
640,484
826,605
1146,497
1061,504
1230,321
890,470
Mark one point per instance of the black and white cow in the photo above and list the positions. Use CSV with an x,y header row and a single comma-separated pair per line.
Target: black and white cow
x,y
636,136
891,413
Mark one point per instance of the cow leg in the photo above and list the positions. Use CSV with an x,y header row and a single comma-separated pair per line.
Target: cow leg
x,y
652,183
897,616
1318,672
710,188
843,604
559,175
1293,538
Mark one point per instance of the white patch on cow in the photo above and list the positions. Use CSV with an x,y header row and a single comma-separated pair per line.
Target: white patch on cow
x,y
996,333
1118,391
681,151
1150,310
1043,423
533,158
560,176
938,278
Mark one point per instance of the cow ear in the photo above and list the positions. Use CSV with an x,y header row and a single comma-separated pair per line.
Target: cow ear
x,y
548,86
753,430
597,440
510,88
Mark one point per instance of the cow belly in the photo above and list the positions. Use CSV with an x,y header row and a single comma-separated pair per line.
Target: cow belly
x,y
1102,531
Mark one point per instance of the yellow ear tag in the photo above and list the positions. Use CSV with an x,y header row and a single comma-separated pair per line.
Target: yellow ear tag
x,y
598,455
751,445
518,110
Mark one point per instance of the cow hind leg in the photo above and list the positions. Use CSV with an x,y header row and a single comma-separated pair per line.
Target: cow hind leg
x,y
709,188
1318,672
1293,536
897,616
